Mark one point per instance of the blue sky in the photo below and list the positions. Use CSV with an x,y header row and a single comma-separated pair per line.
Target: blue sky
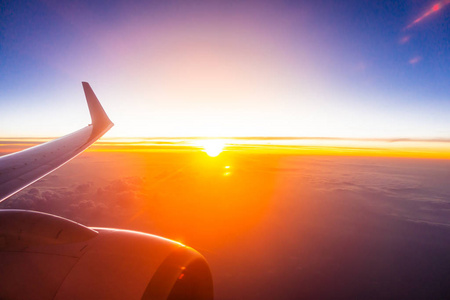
x,y
228,68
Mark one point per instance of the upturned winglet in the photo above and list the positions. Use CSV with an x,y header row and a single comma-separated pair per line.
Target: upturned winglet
x,y
99,118
20,169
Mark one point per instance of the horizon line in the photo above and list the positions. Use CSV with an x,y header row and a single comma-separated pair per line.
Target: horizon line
x,y
268,138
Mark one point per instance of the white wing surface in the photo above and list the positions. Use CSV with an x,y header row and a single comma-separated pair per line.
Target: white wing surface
x,y
20,169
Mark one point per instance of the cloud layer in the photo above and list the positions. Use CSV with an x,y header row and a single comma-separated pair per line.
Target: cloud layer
x,y
276,226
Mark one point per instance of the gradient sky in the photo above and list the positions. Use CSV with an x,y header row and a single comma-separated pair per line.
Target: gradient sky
x,y
366,69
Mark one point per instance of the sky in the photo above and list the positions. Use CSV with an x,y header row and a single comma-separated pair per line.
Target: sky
x,y
354,69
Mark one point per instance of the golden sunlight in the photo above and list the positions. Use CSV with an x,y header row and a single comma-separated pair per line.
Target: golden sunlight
x,y
212,147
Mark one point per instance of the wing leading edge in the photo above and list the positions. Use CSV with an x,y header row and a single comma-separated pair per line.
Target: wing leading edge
x,y
20,169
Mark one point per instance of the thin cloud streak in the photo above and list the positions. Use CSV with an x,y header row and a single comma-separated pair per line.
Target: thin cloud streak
x,y
415,60
435,8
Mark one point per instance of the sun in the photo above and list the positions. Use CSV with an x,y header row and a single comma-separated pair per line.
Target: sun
x,y
212,147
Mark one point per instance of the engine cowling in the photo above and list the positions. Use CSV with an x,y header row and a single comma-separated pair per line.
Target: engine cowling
x,y
43,256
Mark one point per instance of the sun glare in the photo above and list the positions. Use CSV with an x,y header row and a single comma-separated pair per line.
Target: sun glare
x,y
212,147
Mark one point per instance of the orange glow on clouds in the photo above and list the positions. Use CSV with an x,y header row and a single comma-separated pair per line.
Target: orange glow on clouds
x,y
327,147
432,149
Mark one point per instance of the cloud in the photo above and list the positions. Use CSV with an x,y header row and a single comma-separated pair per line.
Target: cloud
x,y
404,39
86,203
353,225
415,60
83,188
404,189
432,10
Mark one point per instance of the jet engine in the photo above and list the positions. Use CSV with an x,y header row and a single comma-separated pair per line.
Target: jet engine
x,y
48,257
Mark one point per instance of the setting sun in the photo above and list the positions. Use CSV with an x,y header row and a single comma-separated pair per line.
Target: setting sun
x,y
212,147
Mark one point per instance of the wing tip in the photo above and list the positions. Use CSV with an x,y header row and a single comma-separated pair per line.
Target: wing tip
x,y
100,119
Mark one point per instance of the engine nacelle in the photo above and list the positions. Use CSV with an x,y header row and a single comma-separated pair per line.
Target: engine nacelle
x,y
48,257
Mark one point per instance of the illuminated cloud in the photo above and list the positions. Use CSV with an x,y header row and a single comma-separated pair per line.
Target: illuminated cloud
x,y
415,60
435,8
86,203
405,39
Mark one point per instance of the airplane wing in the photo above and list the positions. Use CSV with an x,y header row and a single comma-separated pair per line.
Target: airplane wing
x,y
20,169
48,257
